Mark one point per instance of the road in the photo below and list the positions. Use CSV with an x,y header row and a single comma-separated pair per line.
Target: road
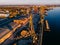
x,y
14,26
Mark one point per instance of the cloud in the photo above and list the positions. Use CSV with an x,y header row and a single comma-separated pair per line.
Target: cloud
x,y
28,2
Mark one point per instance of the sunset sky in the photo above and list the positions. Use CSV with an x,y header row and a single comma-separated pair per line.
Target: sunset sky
x,y
28,2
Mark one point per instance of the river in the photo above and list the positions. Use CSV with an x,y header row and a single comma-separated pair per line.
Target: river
x,y
53,37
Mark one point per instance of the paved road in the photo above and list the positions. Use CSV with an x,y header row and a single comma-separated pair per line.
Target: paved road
x,y
14,26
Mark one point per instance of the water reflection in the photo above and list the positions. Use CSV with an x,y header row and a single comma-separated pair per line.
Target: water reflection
x,y
52,38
